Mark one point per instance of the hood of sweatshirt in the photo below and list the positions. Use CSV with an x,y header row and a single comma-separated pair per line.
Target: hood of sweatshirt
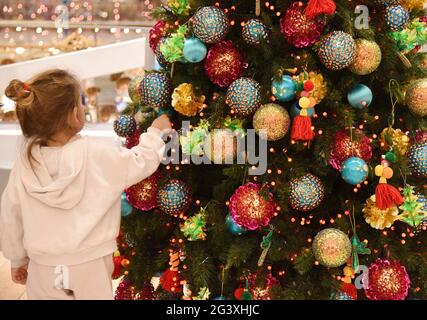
x,y
65,187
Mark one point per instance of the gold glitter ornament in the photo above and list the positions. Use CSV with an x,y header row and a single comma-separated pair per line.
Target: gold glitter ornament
x,y
273,119
185,101
416,97
220,146
396,139
413,4
320,89
368,57
331,247
377,218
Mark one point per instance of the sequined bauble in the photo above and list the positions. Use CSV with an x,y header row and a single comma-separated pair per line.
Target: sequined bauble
x,y
337,50
157,32
416,97
251,207
156,89
220,146
254,31
143,195
417,159
133,139
233,227
284,89
345,146
125,207
396,17
273,120
367,57
386,280
134,89
306,192
262,291
159,55
244,96
298,30
354,170
210,24
125,126
174,197
125,291
331,247
224,63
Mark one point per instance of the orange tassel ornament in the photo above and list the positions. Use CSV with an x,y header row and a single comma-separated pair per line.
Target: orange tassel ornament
x,y
301,124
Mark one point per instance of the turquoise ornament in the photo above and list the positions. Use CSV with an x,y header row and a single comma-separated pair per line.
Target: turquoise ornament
x,y
125,207
233,227
156,90
337,50
359,96
417,159
284,90
244,96
354,170
194,50
254,31
125,126
210,24
306,193
174,197
396,17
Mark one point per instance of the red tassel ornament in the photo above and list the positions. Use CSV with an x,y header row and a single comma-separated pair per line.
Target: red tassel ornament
x,y
317,7
171,279
386,195
301,124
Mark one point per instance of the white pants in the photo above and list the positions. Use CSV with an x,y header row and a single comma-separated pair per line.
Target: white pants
x,y
87,281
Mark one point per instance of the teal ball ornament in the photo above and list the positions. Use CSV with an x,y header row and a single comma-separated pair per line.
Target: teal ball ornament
x,y
174,198
156,89
125,126
337,50
284,90
244,96
359,96
194,50
125,208
306,193
417,159
354,170
396,17
210,24
254,31
233,227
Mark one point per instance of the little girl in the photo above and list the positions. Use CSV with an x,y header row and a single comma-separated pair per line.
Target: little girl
x,y
60,212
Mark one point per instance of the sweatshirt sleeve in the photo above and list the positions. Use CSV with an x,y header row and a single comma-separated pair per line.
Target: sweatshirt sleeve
x,y
11,227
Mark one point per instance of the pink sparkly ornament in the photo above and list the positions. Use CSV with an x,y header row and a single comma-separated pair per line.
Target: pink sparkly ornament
x,y
251,209
157,32
143,195
420,136
224,63
298,30
343,147
262,292
386,280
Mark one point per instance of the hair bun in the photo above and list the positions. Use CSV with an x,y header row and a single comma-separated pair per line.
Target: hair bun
x,y
17,90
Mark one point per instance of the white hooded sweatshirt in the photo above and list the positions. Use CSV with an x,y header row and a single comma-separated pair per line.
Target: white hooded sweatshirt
x,y
66,210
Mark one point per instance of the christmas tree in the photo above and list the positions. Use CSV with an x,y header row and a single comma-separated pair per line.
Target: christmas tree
x,y
336,93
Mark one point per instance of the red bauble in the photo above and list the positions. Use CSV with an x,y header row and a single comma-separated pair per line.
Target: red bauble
x,y
147,292
125,291
343,147
133,139
262,292
224,63
143,195
157,32
238,293
386,280
420,136
298,30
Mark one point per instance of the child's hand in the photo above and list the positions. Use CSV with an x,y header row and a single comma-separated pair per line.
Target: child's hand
x,y
162,123
19,275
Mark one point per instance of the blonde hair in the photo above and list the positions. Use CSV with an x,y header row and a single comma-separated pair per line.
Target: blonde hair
x,y
43,104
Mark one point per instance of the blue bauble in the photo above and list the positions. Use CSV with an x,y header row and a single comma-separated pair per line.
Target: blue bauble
x,y
244,96
296,110
337,50
417,159
254,31
210,24
284,90
354,170
125,208
396,17
422,199
156,90
221,298
359,96
306,193
233,227
194,50
174,197
125,126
